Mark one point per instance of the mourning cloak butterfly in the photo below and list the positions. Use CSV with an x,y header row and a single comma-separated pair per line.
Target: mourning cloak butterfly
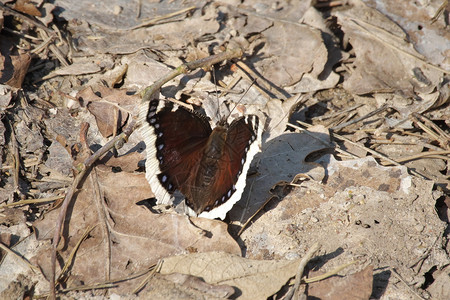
x,y
208,166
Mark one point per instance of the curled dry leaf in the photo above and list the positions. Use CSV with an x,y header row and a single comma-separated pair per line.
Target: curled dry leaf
x,y
254,279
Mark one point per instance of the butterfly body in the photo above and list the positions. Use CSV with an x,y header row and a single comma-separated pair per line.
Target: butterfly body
x,y
208,166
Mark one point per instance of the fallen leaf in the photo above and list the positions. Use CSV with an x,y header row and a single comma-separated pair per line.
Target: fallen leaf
x,y
111,107
254,279
138,237
357,286
13,66
282,158
385,59
27,7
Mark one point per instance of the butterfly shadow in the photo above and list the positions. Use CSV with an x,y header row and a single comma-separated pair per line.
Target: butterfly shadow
x,y
283,159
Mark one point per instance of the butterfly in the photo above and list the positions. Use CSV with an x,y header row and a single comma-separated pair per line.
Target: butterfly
x,y
208,166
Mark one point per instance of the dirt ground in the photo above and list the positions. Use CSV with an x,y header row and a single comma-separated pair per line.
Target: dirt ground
x,y
348,198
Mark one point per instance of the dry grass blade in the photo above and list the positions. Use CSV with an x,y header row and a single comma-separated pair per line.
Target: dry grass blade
x,y
372,113
161,19
329,274
428,154
31,201
73,252
252,76
153,270
437,133
18,257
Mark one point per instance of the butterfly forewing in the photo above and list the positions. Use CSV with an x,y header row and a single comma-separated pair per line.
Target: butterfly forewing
x,y
174,145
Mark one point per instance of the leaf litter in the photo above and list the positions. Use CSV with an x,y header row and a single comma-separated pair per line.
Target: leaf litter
x,y
374,83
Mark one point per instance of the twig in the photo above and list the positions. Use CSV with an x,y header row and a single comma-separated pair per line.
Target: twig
x,y
71,257
16,158
301,267
442,137
403,280
423,155
439,12
206,62
31,201
54,49
153,271
249,73
329,274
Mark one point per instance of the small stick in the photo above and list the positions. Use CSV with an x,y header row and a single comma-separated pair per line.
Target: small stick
x,y
31,201
403,280
441,133
16,158
423,155
206,62
301,267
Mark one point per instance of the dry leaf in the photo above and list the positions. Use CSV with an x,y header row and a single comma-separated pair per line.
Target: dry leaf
x,y
138,237
111,107
13,66
385,60
254,279
27,8
357,286
281,159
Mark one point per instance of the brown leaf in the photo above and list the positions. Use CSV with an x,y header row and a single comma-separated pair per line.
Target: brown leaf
x,y
357,286
110,107
13,67
27,8
255,279
385,59
138,237
181,286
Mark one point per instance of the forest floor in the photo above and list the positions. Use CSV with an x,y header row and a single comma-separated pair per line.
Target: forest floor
x,y
352,181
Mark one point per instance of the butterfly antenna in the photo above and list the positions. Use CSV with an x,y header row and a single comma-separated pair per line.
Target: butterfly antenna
x,y
242,97
217,93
